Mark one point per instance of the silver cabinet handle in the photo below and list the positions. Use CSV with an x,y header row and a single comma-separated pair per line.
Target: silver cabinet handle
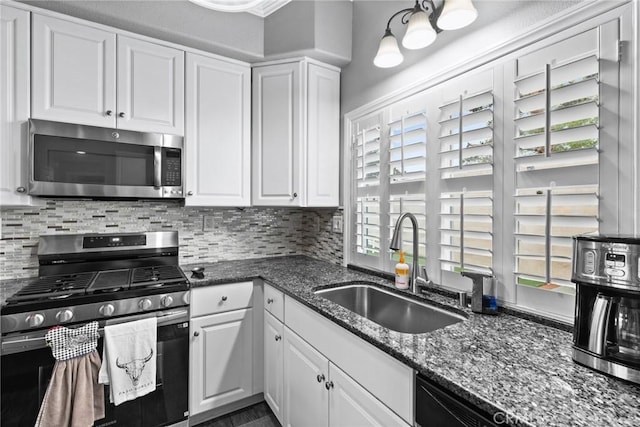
x,y
278,337
328,385
196,334
269,300
21,190
320,378
121,115
109,112
189,193
224,298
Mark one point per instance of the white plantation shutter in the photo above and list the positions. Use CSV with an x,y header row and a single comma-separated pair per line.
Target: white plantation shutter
x,y
556,120
466,135
366,208
466,231
466,162
407,137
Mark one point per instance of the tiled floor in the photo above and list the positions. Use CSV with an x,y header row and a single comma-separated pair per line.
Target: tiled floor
x,y
258,415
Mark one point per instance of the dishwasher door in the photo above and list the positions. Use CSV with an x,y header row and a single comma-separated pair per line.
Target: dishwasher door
x,y
436,407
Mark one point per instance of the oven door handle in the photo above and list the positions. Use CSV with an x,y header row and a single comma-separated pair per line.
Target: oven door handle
x,y
22,344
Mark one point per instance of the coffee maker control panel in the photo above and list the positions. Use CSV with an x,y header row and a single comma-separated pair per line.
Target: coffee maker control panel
x,y
607,261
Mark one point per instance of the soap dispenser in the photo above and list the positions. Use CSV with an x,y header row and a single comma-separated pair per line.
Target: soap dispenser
x,y
402,273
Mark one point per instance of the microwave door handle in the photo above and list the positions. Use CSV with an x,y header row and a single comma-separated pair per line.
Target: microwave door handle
x,y
157,167
599,324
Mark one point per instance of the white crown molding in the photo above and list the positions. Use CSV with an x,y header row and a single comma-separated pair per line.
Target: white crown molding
x,y
267,7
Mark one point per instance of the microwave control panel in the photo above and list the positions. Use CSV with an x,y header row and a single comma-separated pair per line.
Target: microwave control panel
x,y
171,167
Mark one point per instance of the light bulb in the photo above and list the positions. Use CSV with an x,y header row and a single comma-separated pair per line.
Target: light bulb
x,y
457,14
388,53
419,33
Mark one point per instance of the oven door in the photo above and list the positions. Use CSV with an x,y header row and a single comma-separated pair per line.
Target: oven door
x,y
27,368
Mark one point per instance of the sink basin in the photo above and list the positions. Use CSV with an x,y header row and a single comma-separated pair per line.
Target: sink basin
x,y
389,309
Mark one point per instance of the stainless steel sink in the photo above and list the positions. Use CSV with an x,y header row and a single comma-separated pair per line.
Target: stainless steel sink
x,y
389,309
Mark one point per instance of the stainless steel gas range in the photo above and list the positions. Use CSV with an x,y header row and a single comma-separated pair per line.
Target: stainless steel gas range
x,y
111,278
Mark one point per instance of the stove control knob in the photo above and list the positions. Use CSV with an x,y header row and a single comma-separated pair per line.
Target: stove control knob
x,y
64,315
107,310
34,320
166,301
145,304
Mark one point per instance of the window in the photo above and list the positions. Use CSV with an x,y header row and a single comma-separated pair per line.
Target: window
x,y
502,166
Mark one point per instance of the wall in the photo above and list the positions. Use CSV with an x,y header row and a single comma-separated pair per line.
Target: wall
x,y
238,233
319,29
498,21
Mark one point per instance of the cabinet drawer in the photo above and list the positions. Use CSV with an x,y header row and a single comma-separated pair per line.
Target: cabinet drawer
x,y
274,302
221,298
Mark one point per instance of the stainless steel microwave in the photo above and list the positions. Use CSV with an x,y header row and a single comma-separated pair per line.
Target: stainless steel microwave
x,y
69,160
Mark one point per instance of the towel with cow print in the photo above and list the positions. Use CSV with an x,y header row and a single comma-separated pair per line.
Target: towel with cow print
x,y
129,359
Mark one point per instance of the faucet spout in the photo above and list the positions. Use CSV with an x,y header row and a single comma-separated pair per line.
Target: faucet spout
x,y
395,245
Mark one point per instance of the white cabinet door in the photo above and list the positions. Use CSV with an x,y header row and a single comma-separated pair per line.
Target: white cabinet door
x,y
323,137
276,135
73,73
273,364
221,359
351,405
217,134
14,105
306,399
150,87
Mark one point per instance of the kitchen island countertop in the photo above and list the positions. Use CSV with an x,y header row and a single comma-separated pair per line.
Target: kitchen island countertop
x,y
518,370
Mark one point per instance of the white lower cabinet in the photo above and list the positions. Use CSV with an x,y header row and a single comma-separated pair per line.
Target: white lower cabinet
x,y
352,405
226,348
318,393
306,400
273,364
222,357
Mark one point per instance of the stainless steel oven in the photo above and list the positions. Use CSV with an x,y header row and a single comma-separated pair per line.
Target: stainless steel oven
x,y
108,278
69,160
27,365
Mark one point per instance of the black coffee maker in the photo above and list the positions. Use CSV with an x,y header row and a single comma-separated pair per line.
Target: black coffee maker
x,y
607,319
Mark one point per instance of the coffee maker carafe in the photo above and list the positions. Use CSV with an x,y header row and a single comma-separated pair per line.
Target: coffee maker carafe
x,y
607,318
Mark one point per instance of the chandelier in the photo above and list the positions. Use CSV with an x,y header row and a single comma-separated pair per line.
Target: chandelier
x,y
424,21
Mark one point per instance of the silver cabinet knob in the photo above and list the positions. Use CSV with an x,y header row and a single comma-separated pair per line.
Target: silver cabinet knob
x,y
106,310
166,301
278,337
294,196
269,300
109,112
21,190
64,315
34,320
196,334
121,115
189,193
328,385
224,298
145,304
320,378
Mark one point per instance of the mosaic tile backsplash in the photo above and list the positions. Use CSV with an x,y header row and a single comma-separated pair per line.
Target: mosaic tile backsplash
x,y
232,233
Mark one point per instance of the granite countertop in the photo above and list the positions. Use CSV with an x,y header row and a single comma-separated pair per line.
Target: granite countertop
x,y
517,369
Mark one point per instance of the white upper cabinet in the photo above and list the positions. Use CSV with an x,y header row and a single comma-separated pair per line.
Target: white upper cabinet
x,y
217,133
82,74
296,116
73,73
14,105
150,87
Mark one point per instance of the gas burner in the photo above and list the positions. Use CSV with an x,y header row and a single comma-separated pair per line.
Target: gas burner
x,y
49,287
145,276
